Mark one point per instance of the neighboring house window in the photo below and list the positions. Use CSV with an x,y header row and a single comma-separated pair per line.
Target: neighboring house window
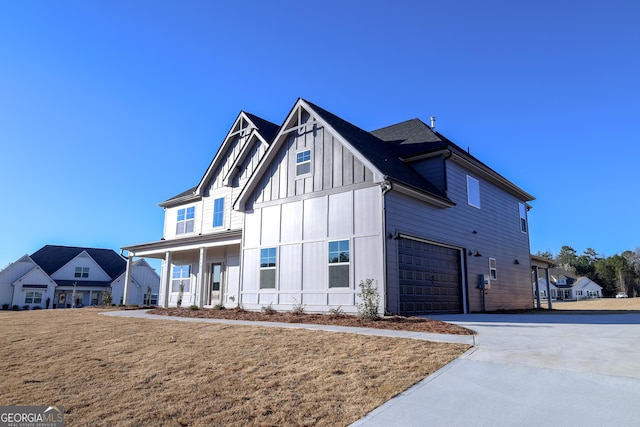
x,y
339,264
218,212
473,191
33,297
181,275
154,299
268,268
303,162
523,218
185,220
82,272
493,271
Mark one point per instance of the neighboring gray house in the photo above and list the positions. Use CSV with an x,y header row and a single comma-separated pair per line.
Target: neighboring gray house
x,y
68,276
302,213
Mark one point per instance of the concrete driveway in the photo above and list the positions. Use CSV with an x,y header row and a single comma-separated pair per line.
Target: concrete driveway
x,y
530,370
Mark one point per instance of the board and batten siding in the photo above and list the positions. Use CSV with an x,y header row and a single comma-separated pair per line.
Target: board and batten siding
x,y
220,186
332,166
300,231
498,235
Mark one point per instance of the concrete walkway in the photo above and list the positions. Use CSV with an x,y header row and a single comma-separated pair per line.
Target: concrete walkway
x,y
541,369
530,370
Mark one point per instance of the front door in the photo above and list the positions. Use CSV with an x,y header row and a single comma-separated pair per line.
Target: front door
x,y
212,291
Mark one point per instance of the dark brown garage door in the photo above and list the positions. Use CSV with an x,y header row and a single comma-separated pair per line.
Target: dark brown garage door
x,y
429,278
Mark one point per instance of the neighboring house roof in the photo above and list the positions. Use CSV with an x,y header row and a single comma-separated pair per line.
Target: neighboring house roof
x,y
51,258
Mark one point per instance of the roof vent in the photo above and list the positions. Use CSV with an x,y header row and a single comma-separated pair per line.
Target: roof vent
x,y
433,123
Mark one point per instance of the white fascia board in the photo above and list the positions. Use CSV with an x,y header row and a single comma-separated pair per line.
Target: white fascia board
x,y
285,129
219,158
235,167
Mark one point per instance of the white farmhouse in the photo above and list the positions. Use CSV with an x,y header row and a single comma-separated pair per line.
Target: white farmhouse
x,y
303,212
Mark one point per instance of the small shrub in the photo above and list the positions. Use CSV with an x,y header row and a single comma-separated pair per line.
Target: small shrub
x,y
5,306
36,307
25,307
298,308
134,305
369,296
107,299
218,306
337,312
268,309
15,308
194,307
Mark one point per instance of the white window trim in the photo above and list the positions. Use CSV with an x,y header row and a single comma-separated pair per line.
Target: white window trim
x,y
274,268
186,220
304,175
522,208
214,212
476,186
334,264
182,279
493,271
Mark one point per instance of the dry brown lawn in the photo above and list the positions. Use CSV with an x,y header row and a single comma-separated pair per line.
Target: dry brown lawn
x,y
132,372
596,304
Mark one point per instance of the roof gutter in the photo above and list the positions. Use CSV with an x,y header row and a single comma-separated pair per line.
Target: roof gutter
x,y
441,202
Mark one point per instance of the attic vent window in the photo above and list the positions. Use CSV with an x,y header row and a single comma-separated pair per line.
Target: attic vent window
x,y
303,162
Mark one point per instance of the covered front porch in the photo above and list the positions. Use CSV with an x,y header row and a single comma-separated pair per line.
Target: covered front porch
x,y
202,271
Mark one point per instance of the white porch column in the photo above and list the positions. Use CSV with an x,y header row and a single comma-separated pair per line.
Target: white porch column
x,y
127,280
166,276
199,291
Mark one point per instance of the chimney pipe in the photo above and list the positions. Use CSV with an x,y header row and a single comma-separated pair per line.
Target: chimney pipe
x,y
433,123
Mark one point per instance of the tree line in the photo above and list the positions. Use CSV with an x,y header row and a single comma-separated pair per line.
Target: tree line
x,y
616,273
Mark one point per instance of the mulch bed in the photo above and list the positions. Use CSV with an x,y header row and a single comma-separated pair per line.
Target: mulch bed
x,y
413,324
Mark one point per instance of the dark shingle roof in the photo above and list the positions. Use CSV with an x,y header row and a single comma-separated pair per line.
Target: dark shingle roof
x,y
267,129
411,137
380,153
51,258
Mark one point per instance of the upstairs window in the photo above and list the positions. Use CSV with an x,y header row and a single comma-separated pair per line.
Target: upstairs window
x,y
303,162
339,264
181,275
473,192
523,218
81,272
268,268
218,212
185,220
493,270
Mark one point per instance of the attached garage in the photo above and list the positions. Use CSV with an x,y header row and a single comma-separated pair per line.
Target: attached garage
x,y
430,278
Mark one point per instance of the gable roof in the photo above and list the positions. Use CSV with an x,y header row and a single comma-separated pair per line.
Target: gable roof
x,y
51,258
373,152
413,139
381,154
256,127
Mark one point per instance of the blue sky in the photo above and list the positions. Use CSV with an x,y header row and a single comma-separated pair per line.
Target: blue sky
x,y
109,107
